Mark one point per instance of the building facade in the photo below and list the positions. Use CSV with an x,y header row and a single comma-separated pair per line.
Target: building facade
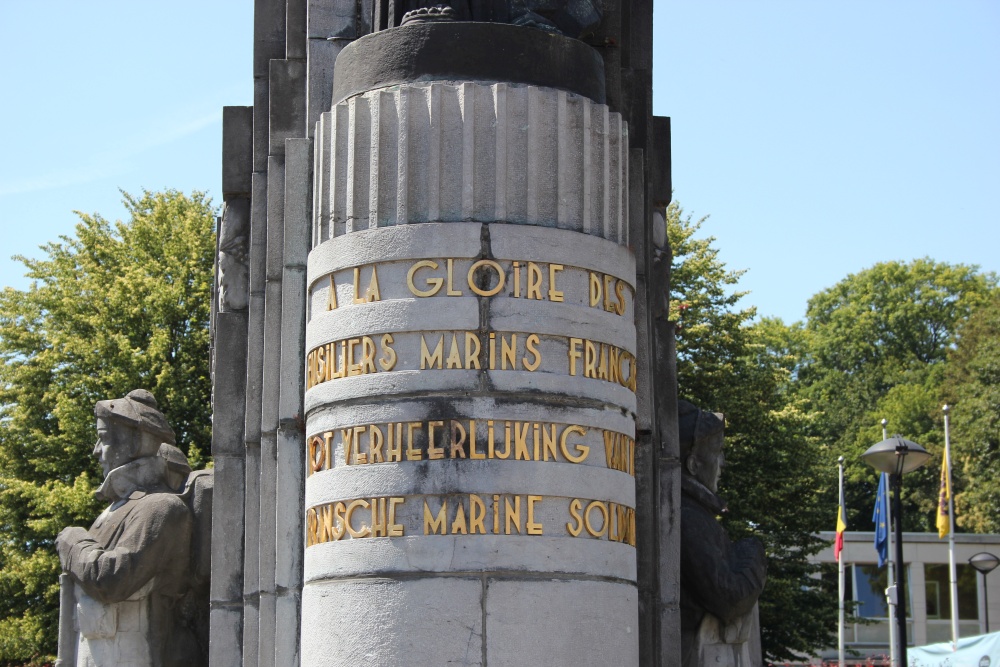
x,y
929,610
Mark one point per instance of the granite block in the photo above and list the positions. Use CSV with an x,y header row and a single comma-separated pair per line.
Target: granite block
x,y
268,34
530,618
237,150
286,103
333,19
261,128
442,617
322,54
660,185
225,648
227,530
295,29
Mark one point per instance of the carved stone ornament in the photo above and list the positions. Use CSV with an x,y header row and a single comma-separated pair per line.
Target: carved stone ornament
x,y
234,237
573,18
720,580
139,575
429,15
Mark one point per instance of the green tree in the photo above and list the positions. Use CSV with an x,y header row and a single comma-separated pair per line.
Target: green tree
x,y
877,343
972,384
116,307
773,479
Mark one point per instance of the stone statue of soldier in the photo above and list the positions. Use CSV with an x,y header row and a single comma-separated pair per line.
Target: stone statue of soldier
x,y
720,580
141,598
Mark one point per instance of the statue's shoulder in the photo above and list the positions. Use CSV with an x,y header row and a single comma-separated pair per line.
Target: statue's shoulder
x,y
164,505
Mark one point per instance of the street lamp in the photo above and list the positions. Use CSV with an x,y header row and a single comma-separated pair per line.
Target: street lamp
x,y
985,563
897,456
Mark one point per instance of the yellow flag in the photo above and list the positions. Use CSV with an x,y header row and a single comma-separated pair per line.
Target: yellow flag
x,y
944,500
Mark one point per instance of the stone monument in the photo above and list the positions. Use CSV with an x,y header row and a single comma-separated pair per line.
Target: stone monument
x,y
445,424
433,425
720,580
135,592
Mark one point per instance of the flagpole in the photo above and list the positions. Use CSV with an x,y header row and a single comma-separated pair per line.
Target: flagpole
x,y
840,570
951,534
889,573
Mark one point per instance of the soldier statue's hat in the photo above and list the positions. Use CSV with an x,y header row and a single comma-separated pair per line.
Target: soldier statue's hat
x,y
138,409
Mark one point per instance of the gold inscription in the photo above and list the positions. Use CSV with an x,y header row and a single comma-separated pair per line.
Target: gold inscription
x,y
332,521
372,292
602,520
461,439
619,452
467,515
485,277
602,361
347,358
607,292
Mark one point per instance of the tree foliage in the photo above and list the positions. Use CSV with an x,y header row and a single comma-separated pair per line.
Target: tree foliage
x,y
972,384
876,347
113,308
772,480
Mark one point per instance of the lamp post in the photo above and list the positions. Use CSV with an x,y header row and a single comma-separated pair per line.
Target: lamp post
x,y
897,456
985,563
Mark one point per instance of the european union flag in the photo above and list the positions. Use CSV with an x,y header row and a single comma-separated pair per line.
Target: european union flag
x,y
880,517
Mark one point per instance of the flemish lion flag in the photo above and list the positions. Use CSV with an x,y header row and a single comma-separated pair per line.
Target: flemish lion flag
x,y
944,500
838,546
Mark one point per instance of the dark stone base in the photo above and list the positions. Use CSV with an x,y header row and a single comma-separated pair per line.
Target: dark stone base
x,y
454,51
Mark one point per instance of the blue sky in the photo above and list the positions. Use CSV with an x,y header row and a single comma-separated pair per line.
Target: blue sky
x,y
821,136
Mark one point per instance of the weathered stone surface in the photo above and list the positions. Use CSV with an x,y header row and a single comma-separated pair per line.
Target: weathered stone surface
x,y
251,631
510,555
140,574
295,29
237,150
286,103
227,536
661,183
286,637
458,152
266,629
336,19
442,617
297,202
322,54
456,476
268,34
226,646
603,621
637,208
261,123
229,385
489,53
647,545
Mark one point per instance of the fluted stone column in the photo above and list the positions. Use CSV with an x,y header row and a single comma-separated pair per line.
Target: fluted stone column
x,y
470,359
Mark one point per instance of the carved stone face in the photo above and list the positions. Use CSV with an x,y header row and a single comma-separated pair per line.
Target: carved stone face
x,y
114,446
706,461
232,283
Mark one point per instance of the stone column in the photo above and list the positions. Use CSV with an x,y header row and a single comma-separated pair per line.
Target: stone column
x,y
470,357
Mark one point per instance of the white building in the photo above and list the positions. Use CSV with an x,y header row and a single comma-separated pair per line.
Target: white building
x,y
928,598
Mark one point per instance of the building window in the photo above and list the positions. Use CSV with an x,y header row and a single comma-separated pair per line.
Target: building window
x,y
870,582
939,598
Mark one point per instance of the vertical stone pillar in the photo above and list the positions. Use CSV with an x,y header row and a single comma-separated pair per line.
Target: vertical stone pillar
x,y
470,365
229,358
